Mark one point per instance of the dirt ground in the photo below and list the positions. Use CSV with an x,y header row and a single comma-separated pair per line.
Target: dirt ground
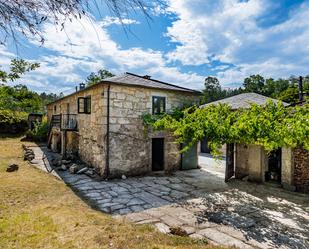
x,y
37,210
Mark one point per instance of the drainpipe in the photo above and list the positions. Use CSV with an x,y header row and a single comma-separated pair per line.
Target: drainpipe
x,y
106,170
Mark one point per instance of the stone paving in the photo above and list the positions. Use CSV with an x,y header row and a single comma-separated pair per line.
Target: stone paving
x,y
240,214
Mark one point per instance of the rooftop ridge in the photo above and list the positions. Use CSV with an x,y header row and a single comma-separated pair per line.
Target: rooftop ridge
x,y
161,82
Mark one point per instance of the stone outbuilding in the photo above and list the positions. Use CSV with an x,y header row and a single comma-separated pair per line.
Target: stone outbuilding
x,y
34,118
103,125
286,166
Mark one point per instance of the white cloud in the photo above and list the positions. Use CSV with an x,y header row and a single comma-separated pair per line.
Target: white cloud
x,y
5,58
109,20
204,31
228,31
85,46
207,28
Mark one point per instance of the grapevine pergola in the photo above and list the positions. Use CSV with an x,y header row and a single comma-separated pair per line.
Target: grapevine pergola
x,y
271,126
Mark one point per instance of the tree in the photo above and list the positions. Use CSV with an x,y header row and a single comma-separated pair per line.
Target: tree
x,y
291,93
95,78
27,17
19,98
254,83
273,88
17,68
212,89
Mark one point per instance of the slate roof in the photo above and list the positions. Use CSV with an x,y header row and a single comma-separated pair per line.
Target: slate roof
x,y
131,79
244,100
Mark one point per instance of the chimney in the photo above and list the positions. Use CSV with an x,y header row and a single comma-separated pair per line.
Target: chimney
x,y
82,86
300,89
147,77
76,88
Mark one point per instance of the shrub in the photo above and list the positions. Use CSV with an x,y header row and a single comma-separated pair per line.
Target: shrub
x,y
13,121
39,132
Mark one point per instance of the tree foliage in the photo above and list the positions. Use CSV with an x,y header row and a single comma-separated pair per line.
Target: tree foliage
x,y
18,67
39,132
13,121
283,89
213,91
95,78
20,98
254,83
271,126
27,17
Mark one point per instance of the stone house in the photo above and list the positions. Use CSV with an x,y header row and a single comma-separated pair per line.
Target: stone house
x,y
286,166
103,125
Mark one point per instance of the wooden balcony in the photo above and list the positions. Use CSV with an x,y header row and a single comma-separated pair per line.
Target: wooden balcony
x,y
64,122
69,122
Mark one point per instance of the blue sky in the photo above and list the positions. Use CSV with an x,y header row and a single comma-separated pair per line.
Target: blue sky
x,y
186,41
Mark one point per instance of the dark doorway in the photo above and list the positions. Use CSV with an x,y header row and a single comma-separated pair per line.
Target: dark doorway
x,y
157,154
274,167
230,167
204,146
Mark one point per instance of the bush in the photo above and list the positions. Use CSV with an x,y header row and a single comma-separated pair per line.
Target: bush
x,y
13,122
39,132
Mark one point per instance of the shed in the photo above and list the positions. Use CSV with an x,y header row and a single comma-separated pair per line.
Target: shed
x,y
252,161
33,118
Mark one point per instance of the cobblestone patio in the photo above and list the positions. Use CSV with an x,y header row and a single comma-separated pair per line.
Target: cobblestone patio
x,y
239,213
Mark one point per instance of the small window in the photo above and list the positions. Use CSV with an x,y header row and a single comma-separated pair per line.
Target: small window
x,y
55,108
84,105
81,105
158,105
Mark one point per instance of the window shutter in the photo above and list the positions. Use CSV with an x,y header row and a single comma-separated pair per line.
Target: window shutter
x,y
81,105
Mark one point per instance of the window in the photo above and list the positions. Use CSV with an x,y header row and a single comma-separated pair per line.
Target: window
x,y
55,109
84,105
158,105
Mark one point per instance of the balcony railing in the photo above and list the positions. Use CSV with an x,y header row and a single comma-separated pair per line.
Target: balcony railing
x,y
64,122
56,121
69,122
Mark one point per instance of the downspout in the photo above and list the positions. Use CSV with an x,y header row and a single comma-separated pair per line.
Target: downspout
x,y
106,170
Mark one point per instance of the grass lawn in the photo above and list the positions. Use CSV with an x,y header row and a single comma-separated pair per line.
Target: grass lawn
x,y
39,211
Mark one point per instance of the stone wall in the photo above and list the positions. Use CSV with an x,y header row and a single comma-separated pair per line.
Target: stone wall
x,y
56,140
130,143
301,169
287,168
130,147
241,161
90,136
251,161
72,142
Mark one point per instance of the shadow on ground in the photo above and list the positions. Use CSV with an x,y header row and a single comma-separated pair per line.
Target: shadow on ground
x,y
267,215
263,213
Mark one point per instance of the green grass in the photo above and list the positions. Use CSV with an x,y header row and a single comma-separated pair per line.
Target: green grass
x,y
39,211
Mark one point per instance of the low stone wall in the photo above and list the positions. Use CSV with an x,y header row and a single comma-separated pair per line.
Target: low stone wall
x,y
301,170
242,158
56,140
72,143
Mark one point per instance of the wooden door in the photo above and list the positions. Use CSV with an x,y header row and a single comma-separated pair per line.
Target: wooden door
x,y
230,167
